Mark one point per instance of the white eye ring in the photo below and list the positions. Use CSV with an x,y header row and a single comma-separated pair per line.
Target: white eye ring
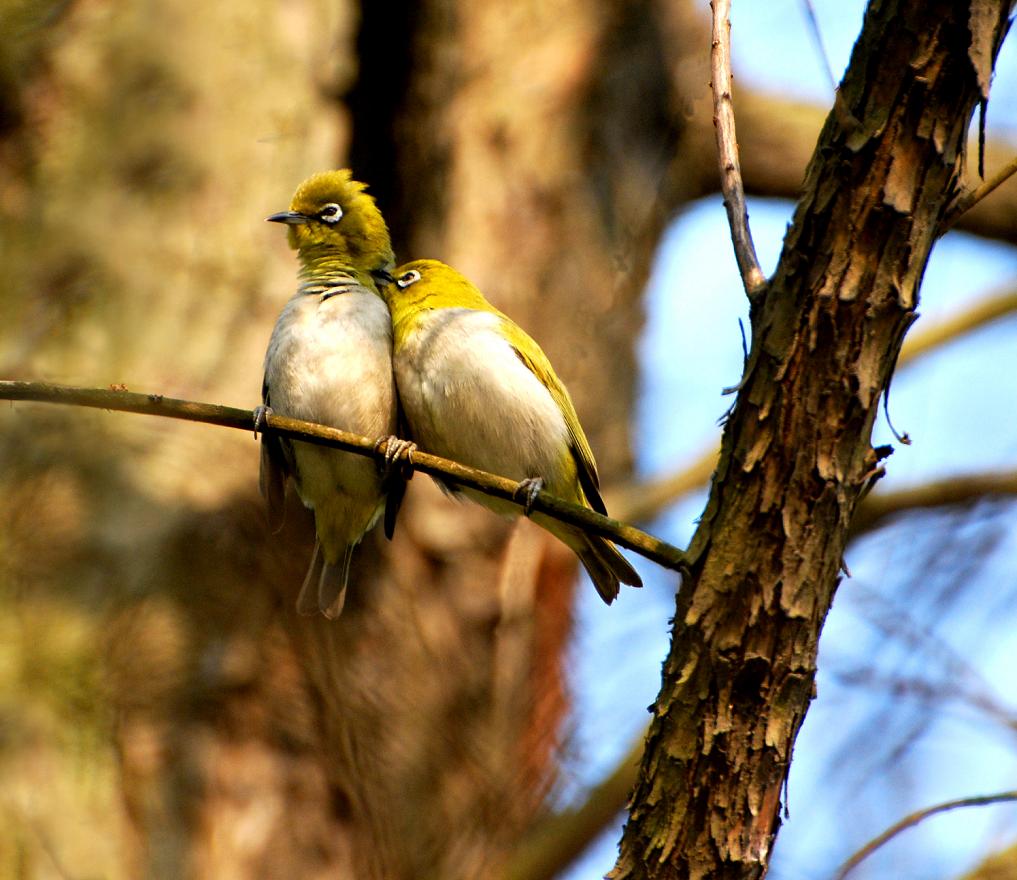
x,y
330,213
408,278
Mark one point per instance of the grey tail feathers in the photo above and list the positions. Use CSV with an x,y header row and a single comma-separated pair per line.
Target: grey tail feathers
x,y
324,587
607,568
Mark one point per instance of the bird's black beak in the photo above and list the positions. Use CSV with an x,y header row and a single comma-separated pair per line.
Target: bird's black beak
x,y
290,218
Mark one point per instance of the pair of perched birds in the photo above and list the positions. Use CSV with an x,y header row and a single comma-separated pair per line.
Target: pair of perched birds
x,y
359,340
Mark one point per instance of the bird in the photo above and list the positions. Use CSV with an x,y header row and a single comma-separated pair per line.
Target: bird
x,y
476,389
329,360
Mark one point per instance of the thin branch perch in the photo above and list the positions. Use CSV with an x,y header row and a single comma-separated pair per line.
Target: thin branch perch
x,y
230,417
727,151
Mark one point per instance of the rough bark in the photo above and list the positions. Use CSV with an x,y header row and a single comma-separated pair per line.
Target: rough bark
x,y
774,158
796,454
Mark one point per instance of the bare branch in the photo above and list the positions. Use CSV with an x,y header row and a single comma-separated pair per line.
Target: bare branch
x,y
727,150
967,200
229,417
913,819
878,506
740,672
556,842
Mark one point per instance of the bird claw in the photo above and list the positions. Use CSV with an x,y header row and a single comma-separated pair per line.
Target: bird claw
x,y
397,452
527,491
261,414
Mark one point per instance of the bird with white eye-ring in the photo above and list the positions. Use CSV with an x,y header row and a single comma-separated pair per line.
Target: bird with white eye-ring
x,y
330,213
329,361
408,278
476,389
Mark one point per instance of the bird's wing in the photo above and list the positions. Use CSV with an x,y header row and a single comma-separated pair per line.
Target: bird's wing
x,y
537,363
272,474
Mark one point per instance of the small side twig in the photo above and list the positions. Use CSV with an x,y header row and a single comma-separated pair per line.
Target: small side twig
x,y
727,151
817,38
968,199
913,819
230,417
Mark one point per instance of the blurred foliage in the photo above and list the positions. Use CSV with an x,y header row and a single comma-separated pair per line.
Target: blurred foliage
x,y
131,253
60,805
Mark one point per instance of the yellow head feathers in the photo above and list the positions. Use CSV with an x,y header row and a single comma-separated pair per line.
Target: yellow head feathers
x,y
332,216
433,283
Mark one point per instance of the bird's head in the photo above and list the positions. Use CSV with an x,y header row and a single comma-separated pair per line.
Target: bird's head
x,y
430,284
331,215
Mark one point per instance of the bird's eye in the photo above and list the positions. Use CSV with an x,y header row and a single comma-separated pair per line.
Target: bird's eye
x,y
408,278
331,213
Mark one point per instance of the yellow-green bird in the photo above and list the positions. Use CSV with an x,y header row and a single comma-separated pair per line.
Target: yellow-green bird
x,y
477,389
329,360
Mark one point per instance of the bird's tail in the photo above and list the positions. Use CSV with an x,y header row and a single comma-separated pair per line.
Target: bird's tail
x,y
606,567
324,587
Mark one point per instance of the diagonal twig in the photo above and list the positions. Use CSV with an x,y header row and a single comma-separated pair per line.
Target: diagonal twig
x,y
727,151
913,819
817,38
230,417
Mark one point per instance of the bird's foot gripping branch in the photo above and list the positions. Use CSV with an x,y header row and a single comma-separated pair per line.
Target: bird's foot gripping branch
x,y
118,400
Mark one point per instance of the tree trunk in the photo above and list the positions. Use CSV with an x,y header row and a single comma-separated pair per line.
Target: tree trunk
x,y
796,454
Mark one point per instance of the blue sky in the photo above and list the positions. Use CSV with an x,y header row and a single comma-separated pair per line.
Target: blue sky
x,y
954,405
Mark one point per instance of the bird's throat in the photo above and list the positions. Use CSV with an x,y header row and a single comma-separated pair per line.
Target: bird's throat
x,y
326,266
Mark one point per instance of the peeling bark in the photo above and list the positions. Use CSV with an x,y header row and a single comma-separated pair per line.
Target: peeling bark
x,y
796,453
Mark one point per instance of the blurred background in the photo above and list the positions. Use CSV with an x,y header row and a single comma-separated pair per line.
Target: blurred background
x,y
165,713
